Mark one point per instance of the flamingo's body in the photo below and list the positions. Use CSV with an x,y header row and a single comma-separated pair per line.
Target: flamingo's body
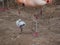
x,y
34,3
20,23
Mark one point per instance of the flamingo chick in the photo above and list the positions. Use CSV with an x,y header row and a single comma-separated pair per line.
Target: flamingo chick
x,y
20,24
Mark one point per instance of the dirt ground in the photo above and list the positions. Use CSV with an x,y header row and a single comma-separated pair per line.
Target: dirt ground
x,y
48,27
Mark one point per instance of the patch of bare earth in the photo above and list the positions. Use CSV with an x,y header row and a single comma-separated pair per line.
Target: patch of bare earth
x,y
48,27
